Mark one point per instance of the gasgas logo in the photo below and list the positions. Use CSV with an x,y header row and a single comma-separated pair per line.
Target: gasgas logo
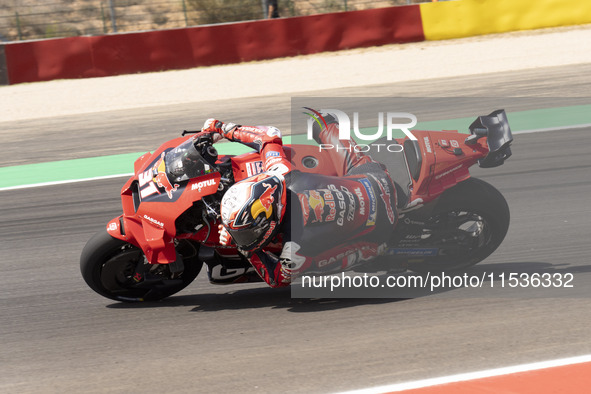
x,y
344,126
154,221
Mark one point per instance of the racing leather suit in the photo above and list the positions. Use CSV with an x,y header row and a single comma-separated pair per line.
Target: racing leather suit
x,y
331,223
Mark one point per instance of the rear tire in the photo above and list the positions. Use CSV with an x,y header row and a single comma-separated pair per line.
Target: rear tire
x,y
108,265
477,205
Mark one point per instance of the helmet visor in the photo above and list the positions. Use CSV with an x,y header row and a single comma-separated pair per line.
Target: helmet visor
x,y
248,237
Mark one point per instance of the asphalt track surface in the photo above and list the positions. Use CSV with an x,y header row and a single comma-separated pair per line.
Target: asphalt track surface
x,y
59,336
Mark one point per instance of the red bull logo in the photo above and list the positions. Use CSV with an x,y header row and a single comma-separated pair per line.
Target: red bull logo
x,y
267,196
161,179
263,204
317,204
329,200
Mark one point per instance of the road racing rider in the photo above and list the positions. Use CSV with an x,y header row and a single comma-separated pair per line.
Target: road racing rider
x,y
327,223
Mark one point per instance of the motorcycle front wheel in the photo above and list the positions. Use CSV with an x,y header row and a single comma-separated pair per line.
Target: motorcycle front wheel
x,y
119,271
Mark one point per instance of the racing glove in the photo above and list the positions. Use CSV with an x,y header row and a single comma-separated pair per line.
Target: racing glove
x,y
218,128
225,237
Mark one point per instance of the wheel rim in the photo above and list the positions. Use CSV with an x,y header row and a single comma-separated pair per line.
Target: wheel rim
x,y
458,233
117,272
128,276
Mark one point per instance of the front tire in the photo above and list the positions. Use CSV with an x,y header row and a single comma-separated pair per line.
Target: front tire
x,y
110,267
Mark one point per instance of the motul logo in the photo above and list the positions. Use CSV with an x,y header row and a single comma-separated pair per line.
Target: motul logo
x,y
202,184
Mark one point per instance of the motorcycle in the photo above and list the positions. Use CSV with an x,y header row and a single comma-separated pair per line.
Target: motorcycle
x,y
171,210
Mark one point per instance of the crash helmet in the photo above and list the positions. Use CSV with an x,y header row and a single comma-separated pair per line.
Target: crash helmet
x,y
253,209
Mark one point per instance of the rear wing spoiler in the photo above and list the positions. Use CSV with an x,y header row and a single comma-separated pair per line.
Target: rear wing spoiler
x,y
495,127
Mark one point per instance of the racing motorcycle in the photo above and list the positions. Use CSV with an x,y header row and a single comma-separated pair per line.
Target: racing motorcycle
x,y
171,210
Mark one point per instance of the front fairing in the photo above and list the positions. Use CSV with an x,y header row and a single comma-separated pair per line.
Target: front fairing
x,y
153,199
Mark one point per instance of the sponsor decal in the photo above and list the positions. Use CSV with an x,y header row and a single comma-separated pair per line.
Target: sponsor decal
x,y
340,204
413,252
385,194
316,204
267,234
352,204
371,219
413,222
154,178
146,184
454,143
305,207
267,196
161,179
330,203
202,184
220,272
448,171
263,204
273,161
333,199
272,154
250,129
338,258
112,226
361,200
254,168
427,144
153,221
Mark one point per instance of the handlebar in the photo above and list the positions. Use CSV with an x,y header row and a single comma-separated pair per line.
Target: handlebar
x,y
185,132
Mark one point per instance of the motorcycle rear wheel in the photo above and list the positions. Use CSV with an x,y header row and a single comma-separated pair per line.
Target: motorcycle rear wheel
x,y
109,266
477,218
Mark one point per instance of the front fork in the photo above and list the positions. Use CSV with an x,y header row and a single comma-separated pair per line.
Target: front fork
x,y
145,273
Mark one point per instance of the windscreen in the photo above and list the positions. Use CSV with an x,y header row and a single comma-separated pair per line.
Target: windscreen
x,y
185,162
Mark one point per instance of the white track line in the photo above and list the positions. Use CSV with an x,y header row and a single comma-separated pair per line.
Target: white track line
x,y
473,375
557,128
